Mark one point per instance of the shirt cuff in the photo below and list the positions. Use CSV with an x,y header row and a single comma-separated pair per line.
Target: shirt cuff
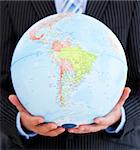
x,y
112,129
21,131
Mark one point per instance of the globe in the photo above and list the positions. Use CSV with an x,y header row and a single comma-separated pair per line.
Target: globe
x,y
69,68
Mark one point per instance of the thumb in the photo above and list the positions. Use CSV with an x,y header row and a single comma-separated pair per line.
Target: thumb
x,y
15,101
35,120
124,96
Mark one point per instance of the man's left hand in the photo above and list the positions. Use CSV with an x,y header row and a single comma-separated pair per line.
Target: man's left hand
x,y
102,123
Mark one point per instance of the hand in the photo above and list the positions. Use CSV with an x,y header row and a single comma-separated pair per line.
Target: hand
x,y
35,123
102,123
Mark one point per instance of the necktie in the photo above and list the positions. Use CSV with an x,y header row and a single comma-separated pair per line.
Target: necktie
x,y
71,6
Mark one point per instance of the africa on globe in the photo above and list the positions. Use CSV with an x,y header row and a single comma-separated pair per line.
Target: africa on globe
x,y
69,68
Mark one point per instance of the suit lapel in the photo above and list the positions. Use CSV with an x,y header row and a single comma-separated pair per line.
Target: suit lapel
x,y
44,8
96,8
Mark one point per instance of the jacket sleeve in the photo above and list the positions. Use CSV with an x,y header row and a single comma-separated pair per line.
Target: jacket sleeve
x,y
132,105
7,44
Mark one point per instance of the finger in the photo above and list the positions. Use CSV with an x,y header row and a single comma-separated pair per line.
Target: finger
x,y
45,128
109,119
81,129
78,131
86,129
55,132
105,121
36,120
92,128
124,96
15,101
115,114
33,120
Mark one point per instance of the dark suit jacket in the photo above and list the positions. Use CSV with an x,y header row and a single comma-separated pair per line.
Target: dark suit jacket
x,y
123,17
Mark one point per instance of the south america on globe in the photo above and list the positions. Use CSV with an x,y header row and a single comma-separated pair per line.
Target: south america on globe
x,y
69,68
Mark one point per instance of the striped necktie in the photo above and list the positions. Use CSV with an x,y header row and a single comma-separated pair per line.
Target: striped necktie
x,y
71,6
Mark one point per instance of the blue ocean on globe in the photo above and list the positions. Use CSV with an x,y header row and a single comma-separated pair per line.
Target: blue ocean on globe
x,y
69,68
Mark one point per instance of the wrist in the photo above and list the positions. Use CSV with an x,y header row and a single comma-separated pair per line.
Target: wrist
x,y
22,130
118,126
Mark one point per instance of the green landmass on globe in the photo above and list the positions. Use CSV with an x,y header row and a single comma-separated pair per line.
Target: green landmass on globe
x,y
81,60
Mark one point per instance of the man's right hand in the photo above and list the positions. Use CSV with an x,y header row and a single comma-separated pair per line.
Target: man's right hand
x,y
35,123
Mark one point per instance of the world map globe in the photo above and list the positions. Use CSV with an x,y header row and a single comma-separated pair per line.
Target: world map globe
x,y
69,68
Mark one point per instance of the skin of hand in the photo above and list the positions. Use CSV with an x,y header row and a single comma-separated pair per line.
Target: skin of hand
x,y
102,123
35,123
